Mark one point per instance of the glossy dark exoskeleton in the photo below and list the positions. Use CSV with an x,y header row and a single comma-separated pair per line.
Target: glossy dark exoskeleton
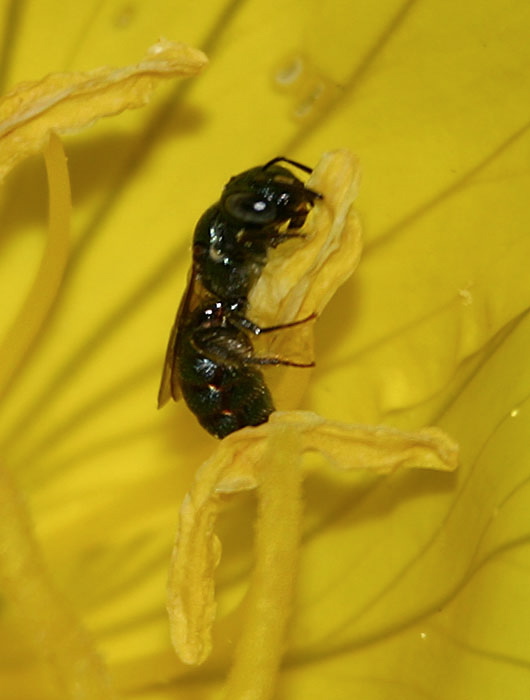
x,y
210,358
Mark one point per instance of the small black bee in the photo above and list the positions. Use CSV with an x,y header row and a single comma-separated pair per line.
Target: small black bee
x,y
210,358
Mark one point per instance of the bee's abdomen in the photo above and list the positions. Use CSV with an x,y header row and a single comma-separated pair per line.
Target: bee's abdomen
x,y
224,398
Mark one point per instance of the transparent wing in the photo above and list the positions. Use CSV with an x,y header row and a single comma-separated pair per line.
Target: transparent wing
x,y
170,384
170,381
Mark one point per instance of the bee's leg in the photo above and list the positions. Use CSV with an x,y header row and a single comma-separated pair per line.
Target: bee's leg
x,y
273,360
226,349
248,325
257,360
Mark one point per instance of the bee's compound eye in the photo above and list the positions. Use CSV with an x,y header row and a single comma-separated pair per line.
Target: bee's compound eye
x,y
249,209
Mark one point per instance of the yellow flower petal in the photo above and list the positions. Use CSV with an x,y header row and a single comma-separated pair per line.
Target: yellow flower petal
x,y
441,576
48,622
67,102
414,565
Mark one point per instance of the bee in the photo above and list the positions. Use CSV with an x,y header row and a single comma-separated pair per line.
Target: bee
x,y
210,359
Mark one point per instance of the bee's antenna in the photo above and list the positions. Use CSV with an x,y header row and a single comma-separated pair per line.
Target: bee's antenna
x,y
281,159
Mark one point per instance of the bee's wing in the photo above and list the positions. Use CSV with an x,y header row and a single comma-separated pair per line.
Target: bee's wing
x,y
170,382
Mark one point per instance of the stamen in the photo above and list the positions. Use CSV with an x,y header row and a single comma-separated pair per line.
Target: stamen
x,y
270,597
39,301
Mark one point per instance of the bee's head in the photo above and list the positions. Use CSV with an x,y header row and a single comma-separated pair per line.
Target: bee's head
x,y
266,196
